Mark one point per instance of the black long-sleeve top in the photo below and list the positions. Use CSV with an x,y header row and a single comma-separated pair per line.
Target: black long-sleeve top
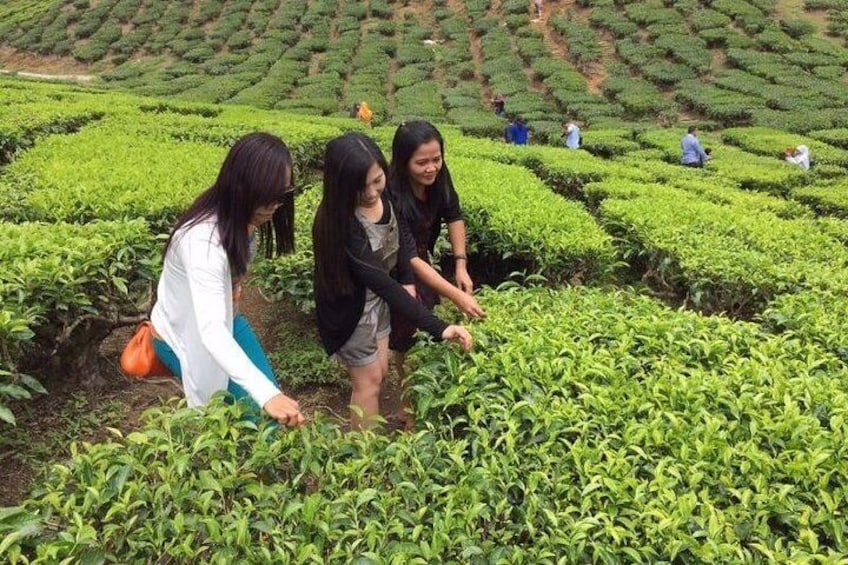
x,y
424,218
338,315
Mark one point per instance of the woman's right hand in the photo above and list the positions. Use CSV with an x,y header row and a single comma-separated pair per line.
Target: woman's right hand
x,y
467,304
459,335
284,410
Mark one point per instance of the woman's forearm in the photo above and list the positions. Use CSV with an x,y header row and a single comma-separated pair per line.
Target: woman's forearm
x,y
431,278
456,235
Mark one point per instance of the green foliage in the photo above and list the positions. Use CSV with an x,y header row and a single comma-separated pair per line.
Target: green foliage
x,y
555,238
609,143
638,97
60,280
609,19
68,179
815,316
837,137
475,479
830,198
721,258
583,44
661,404
265,53
771,142
709,19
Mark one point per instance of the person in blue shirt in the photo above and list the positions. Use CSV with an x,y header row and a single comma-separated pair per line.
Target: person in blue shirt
x,y
572,135
507,131
518,132
693,154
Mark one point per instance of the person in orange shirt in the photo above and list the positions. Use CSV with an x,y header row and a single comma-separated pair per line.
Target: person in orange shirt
x,y
364,114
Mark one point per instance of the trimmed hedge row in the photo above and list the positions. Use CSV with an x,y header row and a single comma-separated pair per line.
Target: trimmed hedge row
x,y
829,199
64,287
595,427
73,179
719,258
771,142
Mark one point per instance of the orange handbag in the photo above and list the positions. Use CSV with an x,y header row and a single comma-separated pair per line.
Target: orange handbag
x,y
139,359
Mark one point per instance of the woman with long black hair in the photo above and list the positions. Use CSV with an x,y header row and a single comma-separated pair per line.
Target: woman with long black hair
x,y
200,335
422,191
358,242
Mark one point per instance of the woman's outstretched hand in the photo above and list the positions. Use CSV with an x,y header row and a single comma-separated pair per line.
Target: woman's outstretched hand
x,y
467,304
459,335
284,410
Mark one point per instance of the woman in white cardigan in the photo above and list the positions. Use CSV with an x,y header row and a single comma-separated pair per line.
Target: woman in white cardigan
x,y
200,335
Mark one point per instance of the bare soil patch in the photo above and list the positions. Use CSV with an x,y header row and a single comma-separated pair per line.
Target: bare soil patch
x,y
21,61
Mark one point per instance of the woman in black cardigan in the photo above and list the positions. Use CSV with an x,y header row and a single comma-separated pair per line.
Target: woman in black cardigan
x,y
358,241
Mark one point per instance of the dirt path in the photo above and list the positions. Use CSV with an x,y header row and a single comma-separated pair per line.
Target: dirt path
x,y
594,73
535,84
44,76
476,52
552,39
48,67
315,64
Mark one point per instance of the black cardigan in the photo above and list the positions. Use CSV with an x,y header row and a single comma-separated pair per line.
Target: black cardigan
x,y
338,315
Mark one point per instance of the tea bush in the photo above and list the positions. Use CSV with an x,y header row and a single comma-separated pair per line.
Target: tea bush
x,y
596,426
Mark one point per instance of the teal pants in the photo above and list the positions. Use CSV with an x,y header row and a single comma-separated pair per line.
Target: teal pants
x,y
249,343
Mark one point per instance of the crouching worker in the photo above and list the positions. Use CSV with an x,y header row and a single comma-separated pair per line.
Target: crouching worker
x,y
200,335
693,154
358,242
798,156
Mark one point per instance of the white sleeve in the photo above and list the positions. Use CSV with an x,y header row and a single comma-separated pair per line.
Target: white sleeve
x,y
207,269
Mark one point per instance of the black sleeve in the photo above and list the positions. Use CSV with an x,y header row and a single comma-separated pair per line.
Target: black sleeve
x,y
366,270
450,210
406,253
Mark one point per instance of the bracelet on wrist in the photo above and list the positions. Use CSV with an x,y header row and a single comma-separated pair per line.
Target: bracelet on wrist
x,y
460,257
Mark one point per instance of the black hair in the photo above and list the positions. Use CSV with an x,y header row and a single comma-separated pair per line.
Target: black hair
x,y
691,129
347,160
408,138
256,172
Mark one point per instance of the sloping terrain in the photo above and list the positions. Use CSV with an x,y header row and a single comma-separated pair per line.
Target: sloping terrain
x,y
729,62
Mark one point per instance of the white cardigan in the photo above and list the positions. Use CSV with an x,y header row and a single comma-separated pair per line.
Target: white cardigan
x,y
194,315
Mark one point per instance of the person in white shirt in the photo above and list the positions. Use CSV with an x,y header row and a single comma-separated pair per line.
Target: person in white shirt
x,y
799,156
200,335
572,135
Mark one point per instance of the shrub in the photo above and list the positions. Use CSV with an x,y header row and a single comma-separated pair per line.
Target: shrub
x,y
70,285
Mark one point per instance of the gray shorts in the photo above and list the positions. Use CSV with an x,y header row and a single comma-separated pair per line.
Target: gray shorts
x,y
361,347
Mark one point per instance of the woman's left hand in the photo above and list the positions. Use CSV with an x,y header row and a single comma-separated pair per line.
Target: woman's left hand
x,y
463,280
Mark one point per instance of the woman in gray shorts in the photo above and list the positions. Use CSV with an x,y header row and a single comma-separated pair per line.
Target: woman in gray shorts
x,y
357,243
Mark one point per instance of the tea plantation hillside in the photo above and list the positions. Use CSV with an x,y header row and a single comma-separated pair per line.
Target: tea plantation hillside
x,y
666,383
771,63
